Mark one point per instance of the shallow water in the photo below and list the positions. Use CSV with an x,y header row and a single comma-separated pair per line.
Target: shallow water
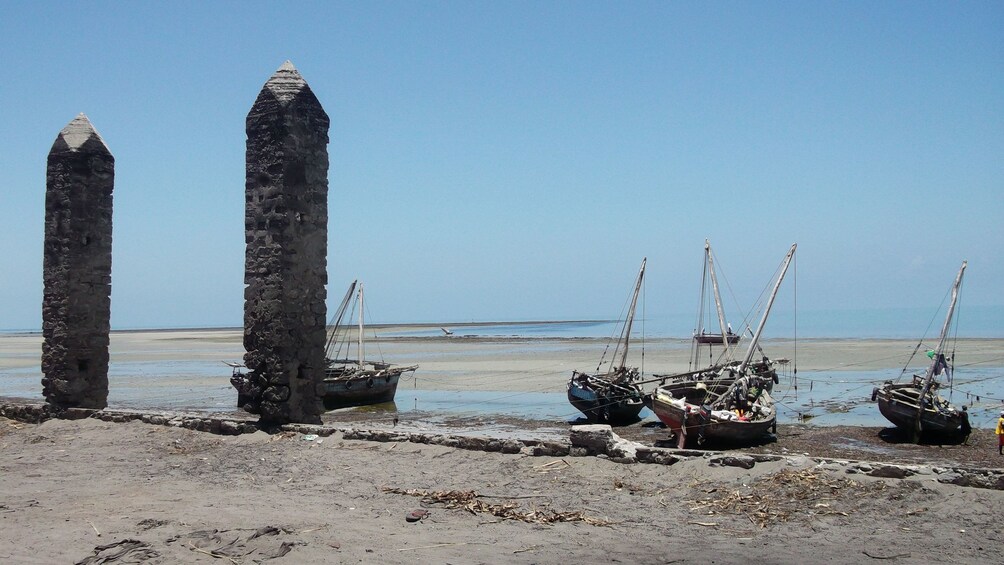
x,y
826,398
903,323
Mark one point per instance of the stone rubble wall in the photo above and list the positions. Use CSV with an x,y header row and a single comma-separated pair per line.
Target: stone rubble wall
x,y
584,441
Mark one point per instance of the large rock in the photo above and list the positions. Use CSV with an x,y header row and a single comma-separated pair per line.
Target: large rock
x,y
600,439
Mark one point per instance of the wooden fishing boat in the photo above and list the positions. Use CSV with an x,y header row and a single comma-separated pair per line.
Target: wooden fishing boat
x,y
729,402
720,403
356,382
613,396
347,382
705,338
916,406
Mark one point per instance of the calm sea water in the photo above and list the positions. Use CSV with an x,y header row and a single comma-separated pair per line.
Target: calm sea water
x,y
889,323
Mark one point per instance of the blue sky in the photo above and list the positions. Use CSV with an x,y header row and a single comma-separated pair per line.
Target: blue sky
x,y
516,160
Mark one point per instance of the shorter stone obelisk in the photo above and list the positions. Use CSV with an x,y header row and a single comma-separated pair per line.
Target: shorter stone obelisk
x,y
77,266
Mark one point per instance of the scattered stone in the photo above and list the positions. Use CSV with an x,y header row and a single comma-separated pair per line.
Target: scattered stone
x,y
548,449
891,472
656,455
975,478
742,461
599,439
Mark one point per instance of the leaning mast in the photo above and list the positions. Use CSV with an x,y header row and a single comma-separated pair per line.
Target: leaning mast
x,y
360,337
718,297
941,346
625,336
770,302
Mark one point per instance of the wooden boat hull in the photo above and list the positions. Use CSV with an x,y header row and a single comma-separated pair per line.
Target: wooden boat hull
x,y
716,339
614,409
341,389
678,414
360,390
898,404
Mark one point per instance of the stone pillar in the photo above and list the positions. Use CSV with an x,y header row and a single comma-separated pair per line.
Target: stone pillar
x,y
285,270
77,267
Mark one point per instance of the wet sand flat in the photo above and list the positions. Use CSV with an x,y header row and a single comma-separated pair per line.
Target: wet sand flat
x,y
477,359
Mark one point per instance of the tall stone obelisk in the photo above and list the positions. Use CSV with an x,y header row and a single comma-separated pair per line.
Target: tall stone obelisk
x,y
286,230
77,267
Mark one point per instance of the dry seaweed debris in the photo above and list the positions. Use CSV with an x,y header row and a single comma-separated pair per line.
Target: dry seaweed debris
x,y
470,500
785,495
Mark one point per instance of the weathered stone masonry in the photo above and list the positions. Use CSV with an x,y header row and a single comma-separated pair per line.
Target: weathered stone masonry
x,y
286,218
77,264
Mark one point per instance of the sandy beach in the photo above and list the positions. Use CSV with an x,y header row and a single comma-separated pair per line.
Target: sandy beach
x,y
90,491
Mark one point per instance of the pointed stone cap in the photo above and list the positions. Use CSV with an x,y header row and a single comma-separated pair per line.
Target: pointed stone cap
x,y
77,134
286,83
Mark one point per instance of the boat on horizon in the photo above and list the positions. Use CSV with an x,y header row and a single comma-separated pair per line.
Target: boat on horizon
x,y
614,396
729,402
916,407
726,337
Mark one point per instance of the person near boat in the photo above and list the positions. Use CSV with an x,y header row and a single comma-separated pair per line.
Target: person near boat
x,y
1000,434
964,426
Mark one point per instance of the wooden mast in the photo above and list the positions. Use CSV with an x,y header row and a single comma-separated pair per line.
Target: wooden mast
x,y
718,297
770,302
937,353
622,343
361,358
759,328
337,320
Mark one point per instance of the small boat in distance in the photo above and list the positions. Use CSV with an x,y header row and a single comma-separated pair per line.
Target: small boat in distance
x,y
611,397
701,336
729,402
916,407
356,382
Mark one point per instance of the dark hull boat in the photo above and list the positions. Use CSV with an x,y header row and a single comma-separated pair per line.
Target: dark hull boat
x,y
352,387
605,400
613,397
899,404
716,339
240,381
356,382
916,407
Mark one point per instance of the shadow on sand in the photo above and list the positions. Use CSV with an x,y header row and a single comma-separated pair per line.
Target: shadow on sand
x,y
581,421
897,436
